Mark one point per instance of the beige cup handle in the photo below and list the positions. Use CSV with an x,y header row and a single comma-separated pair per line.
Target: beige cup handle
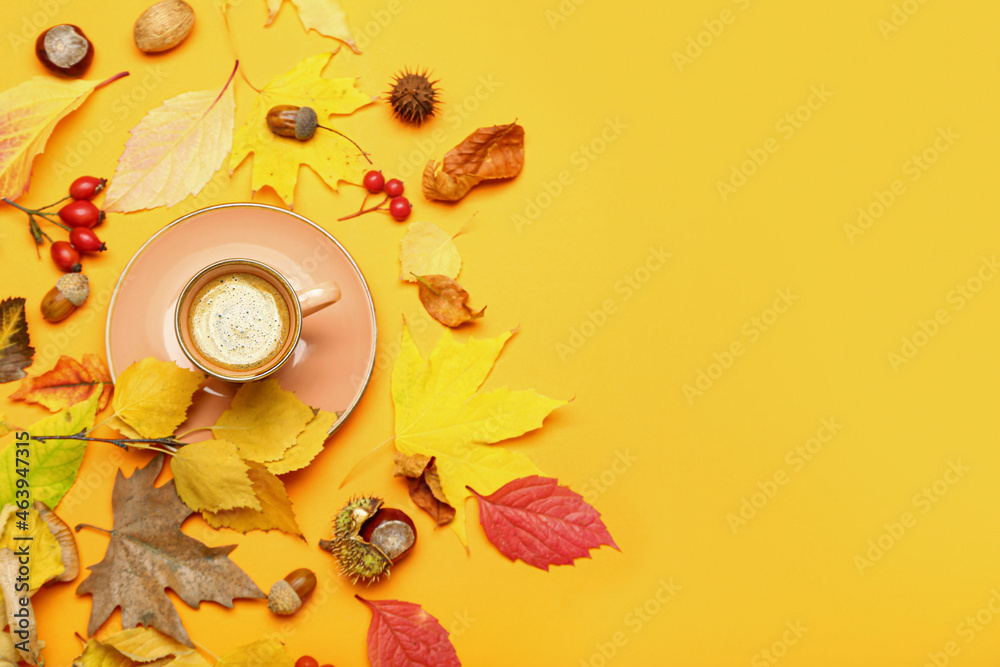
x,y
318,297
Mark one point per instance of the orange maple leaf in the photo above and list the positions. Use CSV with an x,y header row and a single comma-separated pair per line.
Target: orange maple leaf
x,y
68,383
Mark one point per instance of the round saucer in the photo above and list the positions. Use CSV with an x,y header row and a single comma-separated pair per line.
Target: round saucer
x,y
335,356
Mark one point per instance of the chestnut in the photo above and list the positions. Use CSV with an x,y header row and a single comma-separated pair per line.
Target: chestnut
x,y
65,50
391,531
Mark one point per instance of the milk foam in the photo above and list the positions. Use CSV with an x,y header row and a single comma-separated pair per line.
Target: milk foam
x,y
238,321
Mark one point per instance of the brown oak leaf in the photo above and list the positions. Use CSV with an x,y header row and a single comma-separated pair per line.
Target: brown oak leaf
x,y
148,553
488,153
16,352
68,383
424,485
446,301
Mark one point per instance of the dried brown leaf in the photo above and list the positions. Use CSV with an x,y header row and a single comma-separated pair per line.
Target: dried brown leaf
x,y
488,153
15,350
21,618
446,301
424,485
148,553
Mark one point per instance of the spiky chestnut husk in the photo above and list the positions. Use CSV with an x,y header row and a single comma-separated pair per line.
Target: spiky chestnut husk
x,y
413,96
357,558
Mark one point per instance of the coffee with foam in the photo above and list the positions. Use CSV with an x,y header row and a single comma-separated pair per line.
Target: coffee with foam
x,y
238,321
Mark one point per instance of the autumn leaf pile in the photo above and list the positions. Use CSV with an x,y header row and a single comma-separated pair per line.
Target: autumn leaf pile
x,y
446,430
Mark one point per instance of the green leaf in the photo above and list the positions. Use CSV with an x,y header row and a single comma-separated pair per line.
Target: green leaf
x,y
51,465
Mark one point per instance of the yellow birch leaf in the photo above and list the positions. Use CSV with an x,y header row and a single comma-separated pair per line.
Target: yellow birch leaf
x,y
210,476
152,397
425,250
277,159
191,659
324,16
144,644
308,444
174,150
275,511
262,652
97,654
45,555
263,421
29,112
439,413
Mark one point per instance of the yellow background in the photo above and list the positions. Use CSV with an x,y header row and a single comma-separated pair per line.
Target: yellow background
x,y
640,139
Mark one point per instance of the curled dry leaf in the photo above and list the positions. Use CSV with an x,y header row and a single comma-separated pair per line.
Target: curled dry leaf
x,y
15,351
68,383
69,553
424,485
21,618
488,153
446,301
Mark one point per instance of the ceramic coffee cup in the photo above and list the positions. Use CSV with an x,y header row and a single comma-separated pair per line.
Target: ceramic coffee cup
x,y
239,319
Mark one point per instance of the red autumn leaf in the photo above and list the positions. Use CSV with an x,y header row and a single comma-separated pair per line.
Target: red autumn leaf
x,y
402,634
68,383
542,523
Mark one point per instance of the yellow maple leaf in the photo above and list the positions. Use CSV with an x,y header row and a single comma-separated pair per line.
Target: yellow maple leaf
x,y
275,512
439,413
263,421
425,250
308,444
210,476
324,16
174,150
29,112
152,398
277,159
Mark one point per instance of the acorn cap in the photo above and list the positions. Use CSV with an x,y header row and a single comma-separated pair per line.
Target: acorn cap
x,y
75,287
305,123
282,599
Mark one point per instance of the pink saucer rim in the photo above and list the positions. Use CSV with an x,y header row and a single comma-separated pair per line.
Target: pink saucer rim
x,y
152,239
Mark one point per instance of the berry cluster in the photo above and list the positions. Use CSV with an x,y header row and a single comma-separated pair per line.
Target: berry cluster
x,y
309,661
398,206
78,217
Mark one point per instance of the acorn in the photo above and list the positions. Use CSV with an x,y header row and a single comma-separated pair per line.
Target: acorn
x,y
71,290
65,50
413,96
287,120
368,540
287,595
